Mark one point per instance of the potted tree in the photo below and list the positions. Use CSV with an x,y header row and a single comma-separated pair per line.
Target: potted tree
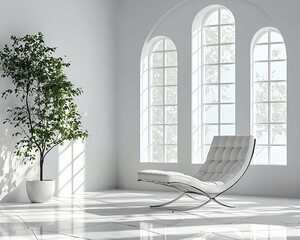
x,y
45,114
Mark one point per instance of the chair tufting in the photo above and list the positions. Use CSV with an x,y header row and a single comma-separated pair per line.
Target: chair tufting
x,y
227,160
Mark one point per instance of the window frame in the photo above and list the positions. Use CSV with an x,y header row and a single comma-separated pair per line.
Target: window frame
x,y
269,102
202,147
152,44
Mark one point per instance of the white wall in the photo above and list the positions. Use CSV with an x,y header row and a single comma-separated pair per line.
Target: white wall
x,y
137,17
103,39
85,32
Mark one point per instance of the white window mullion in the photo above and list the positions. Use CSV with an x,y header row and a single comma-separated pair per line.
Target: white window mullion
x,y
273,119
202,97
219,73
150,146
164,103
211,66
269,98
160,60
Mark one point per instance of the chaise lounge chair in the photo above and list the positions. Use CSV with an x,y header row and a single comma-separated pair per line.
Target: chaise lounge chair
x,y
227,161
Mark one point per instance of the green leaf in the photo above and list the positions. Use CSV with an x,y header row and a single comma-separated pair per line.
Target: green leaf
x,y
45,114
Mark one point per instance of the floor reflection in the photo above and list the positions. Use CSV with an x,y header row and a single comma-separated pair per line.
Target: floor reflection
x,y
126,215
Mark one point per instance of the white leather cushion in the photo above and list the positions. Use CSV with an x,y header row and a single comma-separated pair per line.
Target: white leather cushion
x,y
227,160
176,177
226,157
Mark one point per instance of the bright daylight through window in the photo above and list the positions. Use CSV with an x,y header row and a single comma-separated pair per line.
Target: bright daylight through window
x,y
159,103
269,97
213,79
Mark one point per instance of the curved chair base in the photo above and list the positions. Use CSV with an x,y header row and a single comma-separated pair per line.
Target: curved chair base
x,y
191,208
223,204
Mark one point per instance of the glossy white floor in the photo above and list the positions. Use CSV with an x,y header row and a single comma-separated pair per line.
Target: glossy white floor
x,y
126,215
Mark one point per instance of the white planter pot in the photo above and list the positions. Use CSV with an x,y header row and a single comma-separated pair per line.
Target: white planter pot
x,y
40,191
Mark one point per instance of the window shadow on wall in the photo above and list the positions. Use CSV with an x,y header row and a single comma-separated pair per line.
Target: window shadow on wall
x,y
71,168
12,170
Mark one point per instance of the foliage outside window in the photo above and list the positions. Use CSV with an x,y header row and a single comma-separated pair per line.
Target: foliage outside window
x,y
269,97
213,79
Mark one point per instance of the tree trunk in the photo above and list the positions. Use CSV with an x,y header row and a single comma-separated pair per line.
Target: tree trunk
x,y
41,168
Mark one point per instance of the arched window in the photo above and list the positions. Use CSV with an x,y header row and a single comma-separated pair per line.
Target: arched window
x,y
269,97
159,102
213,78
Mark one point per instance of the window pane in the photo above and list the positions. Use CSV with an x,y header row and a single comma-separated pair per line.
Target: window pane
x,y
195,99
158,46
264,38
227,34
210,93
276,37
171,58
195,64
278,70
212,19
157,153
171,154
260,52
228,73
195,82
145,140
211,114
227,93
196,157
260,71
278,134
195,122
161,110
278,155
157,77
260,112
278,91
195,41
278,51
260,92
227,129
171,95
227,53
210,74
169,45
157,116
145,81
205,151
226,17
157,60
210,35
196,136
211,55
260,131
228,113
157,135
270,95
261,155
209,132
156,95
145,100
171,134
215,63
171,114
145,122
278,112
171,76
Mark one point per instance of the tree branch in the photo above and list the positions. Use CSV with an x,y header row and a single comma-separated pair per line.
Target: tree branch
x,y
29,116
